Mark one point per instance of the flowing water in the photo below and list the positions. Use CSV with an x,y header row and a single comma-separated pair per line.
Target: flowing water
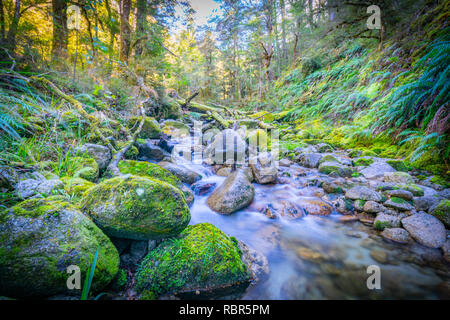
x,y
318,257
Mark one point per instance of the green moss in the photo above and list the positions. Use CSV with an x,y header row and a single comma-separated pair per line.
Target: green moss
x,y
413,188
356,174
430,161
137,207
150,129
131,153
76,187
381,225
151,170
440,181
328,158
398,165
201,257
364,162
398,200
442,212
368,153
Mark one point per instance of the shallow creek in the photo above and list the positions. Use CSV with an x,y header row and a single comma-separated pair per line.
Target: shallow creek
x,y
321,257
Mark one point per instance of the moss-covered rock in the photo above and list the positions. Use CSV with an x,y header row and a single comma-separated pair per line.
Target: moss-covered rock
x,y
150,129
175,129
73,120
442,212
335,167
40,238
82,167
76,187
398,165
258,138
202,258
151,170
137,208
416,190
363,161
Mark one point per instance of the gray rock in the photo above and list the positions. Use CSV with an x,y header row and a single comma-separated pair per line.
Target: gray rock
x,y
335,168
373,207
101,154
398,235
398,177
444,193
404,194
263,168
425,203
426,229
309,160
183,173
446,250
376,170
285,162
393,221
363,193
399,204
442,212
148,151
9,177
235,193
225,148
27,188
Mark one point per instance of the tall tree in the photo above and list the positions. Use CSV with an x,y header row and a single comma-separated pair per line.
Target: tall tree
x,y
125,30
60,31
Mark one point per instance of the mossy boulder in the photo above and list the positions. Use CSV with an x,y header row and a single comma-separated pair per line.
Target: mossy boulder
x,y
335,167
150,129
137,208
132,153
398,177
442,212
85,168
40,238
94,137
398,165
363,162
328,158
175,129
258,138
76,187
151,170
73,120
416,190
201,259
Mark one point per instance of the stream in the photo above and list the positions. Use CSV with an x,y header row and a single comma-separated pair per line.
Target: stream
x,y
320,257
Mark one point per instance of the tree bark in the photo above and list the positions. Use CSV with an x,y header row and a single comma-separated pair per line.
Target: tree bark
x,y
141,14
60,31
12,32
125,30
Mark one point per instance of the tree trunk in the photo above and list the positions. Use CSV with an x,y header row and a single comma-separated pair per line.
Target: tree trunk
x,y
125,30
11,37
2,23
60,31
283,33
141,15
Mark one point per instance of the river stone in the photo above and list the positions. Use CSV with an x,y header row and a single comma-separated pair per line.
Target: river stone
x,y
224,172
335,167
183,173
425,203
379,256
99,153
263,168
40,238
331,187
149,151
444,194
404,194
376,170
225,148
425,229
309,160
398,235
442,212
373,207
137,208
399,204
363,193
398,177
391,220
285,162
314,206
416,190
284,208
235,193
200,262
